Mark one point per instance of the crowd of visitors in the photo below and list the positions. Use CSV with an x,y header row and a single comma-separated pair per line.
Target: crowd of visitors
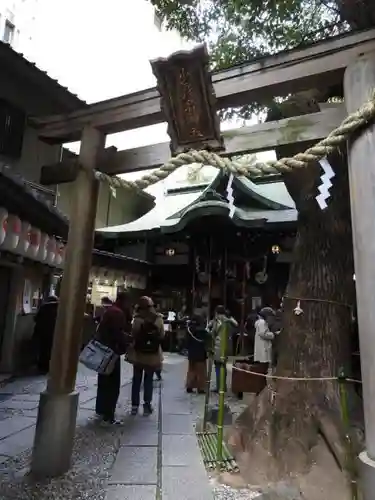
x,y
138,332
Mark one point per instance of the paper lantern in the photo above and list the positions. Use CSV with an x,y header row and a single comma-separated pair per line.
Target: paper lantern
x,y
3,224
13,232
51,250
42,252
24,241
60,253
34,237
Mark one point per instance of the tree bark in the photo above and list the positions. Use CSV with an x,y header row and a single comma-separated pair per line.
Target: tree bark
x,y
315,343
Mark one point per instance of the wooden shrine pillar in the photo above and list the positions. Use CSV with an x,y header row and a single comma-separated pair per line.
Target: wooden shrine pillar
x,y
58,405
359,85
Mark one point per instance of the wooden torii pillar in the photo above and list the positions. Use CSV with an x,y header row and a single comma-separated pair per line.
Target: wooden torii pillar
x,y
56,422
359,87
55,429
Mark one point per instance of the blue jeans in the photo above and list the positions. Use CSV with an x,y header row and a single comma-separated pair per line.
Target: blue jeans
x,y
217,373
147,373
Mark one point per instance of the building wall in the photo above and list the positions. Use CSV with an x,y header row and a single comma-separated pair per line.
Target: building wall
x,y
16,347
17,19
113,209
35,153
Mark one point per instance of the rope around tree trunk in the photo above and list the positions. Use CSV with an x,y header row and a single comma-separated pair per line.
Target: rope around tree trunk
x,y
353,123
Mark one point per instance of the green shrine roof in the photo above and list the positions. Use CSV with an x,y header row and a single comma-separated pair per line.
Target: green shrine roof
x,y
255,205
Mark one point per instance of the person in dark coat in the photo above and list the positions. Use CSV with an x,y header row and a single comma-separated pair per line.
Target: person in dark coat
x,y
197,347
45,321
114,332
105,302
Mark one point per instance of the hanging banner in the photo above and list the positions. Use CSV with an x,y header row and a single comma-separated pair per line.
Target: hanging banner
x,y
27,295
3,224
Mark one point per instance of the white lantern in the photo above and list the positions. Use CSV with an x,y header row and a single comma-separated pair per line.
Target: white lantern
x,y
13,232
42,252
60,253
51,250
34,243
24,241
3,224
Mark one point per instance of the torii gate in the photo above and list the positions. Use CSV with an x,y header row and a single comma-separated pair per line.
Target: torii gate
x,y
331,62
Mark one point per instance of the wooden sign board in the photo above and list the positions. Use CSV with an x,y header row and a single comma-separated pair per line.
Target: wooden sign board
x,y
188,100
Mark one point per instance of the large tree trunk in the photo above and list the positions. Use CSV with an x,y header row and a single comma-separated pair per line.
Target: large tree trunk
x,y
283,427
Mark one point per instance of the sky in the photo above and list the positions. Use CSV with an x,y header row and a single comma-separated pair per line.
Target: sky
x,y
101,49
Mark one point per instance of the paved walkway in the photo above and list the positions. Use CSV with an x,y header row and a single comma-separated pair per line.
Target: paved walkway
x,y
154,458
159,457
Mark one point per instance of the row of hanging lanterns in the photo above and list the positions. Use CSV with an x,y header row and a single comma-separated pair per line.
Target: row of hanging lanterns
x,y
21,238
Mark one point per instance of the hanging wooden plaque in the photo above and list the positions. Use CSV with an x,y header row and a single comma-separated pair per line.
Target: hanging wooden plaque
x,y
188,100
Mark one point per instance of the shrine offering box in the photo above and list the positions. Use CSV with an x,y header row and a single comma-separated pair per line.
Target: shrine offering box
x,y
247,382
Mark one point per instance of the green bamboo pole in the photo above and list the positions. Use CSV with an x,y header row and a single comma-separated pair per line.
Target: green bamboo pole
x,y
350,456
208,388
210,358
220,418
210,455
212,446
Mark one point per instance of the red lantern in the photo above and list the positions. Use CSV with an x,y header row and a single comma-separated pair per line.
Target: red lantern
x,y
51,250
24,241
34,243
42,252
13,231
3,224
60,253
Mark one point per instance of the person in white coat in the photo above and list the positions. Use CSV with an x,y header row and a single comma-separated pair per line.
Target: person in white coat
x,y
263,337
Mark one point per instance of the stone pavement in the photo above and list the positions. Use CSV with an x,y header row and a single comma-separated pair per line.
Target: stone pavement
x,y
154,458
159,456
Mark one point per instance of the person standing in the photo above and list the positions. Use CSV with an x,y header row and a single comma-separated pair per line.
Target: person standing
x,y
114,332
197,345
105,302
263,337
45,321
145,353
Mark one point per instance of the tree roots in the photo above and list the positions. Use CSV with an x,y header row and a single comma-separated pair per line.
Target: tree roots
x,y
274,438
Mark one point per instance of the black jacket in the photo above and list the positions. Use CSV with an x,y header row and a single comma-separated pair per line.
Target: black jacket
x,y
197,339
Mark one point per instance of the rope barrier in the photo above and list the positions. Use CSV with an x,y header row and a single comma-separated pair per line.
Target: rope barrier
x,y
295,379
353,123
323,301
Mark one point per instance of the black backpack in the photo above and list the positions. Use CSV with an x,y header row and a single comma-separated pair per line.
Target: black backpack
x,y
148,338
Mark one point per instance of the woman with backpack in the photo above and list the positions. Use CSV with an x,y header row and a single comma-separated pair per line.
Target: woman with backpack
x,y
145,353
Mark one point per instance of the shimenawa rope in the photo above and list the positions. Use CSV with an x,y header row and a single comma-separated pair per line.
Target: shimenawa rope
x,y
353,123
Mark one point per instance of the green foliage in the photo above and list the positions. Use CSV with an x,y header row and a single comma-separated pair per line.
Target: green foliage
x,y
240,30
